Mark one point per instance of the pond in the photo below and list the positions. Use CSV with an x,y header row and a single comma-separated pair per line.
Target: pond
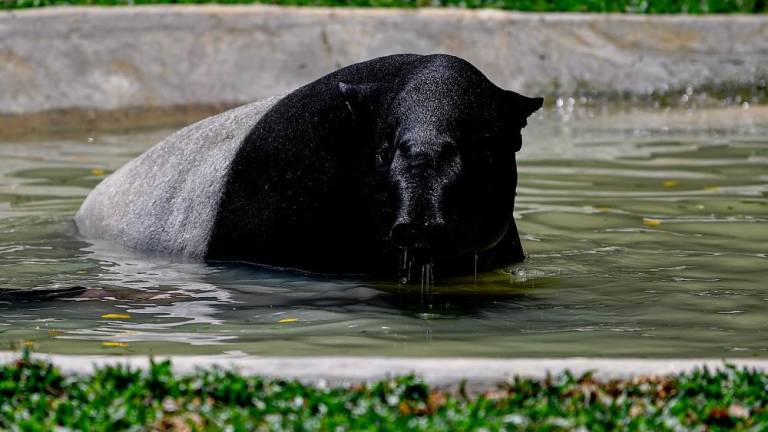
x,y
646,232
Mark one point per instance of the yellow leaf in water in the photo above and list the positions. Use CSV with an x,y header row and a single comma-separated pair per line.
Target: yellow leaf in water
x,y
288,320
651,222
671,184
97,172
711,188
114,344
116,316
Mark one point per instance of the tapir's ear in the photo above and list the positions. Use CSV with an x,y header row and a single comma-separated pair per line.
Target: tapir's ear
x,y
359,97
523,104
531,105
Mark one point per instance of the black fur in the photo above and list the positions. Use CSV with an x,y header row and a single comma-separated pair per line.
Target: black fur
x,y
404,151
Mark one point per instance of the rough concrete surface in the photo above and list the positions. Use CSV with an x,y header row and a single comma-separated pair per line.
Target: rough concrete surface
x,y
143,64
479,372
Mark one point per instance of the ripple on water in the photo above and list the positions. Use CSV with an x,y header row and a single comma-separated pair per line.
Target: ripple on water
x,y
645,234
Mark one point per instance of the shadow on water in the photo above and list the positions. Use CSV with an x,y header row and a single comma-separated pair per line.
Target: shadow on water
x,y
261,286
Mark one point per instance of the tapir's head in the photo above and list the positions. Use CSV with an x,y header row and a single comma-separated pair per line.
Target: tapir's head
x,y
447,145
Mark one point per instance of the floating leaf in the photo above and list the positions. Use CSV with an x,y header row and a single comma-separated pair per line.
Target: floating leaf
x,y
116,316
112,344
97,172
651,222
671,184
288,320
711,188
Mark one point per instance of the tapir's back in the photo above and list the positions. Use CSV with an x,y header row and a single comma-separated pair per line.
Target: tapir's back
x,y
166,199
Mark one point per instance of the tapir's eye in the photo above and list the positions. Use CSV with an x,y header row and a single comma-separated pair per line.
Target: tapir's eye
x,y
385,153
404,147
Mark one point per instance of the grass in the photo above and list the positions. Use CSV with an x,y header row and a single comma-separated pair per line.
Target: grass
x,y
35,396
623,6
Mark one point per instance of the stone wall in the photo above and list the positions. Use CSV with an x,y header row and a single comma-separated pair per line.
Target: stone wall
x,y
64,68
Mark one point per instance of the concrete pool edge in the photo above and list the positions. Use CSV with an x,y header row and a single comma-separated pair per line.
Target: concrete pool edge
x,y
106,68
478,372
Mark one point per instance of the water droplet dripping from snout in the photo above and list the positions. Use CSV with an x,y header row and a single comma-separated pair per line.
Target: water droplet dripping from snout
x,y
421,291
403,268
427,282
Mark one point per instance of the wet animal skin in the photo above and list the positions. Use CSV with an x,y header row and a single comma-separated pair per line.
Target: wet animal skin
x,y
343,175
405,151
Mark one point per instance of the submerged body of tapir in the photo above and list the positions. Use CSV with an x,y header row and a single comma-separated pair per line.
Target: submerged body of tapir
x,y
401,157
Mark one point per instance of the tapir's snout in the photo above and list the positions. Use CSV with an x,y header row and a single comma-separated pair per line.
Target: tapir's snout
x,y
422,223
423,175
426,235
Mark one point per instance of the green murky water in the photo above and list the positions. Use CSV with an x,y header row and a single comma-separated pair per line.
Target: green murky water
x,y
647,235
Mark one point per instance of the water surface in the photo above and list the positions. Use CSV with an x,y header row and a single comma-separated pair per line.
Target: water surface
x,y
646,234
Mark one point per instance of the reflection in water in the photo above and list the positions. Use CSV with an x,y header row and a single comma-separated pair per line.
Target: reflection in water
x,y
173,292
645,232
